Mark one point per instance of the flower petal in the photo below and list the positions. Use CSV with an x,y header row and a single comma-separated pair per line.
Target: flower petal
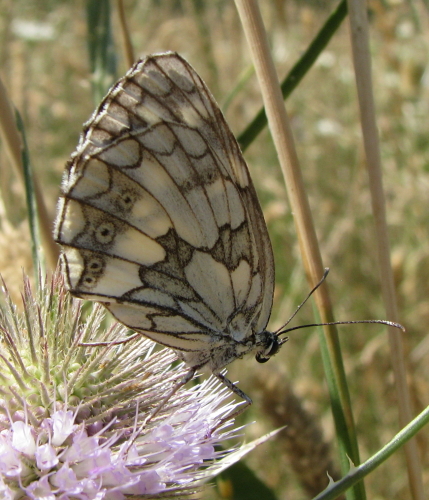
x,y
22,438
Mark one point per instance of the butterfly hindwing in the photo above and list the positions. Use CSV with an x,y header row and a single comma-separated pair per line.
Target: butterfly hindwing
x,y
158,217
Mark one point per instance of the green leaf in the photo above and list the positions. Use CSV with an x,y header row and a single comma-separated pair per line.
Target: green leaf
x,y
238,482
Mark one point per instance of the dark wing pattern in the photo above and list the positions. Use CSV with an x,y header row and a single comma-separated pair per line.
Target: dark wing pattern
x,y
158,217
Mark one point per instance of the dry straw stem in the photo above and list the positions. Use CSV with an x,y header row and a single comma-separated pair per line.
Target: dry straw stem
x,y
125,34
283,140
13,145
362,63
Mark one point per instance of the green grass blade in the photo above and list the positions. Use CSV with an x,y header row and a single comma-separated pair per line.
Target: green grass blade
x,y
358,473
100,47
341,411
238,87
30,197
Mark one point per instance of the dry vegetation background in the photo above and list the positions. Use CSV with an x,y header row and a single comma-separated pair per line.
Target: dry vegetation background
x,y
44,64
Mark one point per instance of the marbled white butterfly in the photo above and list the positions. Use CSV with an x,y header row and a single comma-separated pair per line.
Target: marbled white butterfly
x,y
159,220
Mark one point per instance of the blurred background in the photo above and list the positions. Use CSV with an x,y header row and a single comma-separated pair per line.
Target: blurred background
x,y
45,66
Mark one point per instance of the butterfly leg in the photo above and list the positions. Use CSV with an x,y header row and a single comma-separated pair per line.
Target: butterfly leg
x,y
240,393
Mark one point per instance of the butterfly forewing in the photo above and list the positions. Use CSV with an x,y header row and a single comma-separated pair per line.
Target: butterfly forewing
x,y
158,217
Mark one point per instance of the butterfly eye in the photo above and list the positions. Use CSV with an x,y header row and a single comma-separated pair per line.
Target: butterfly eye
x,y
272,346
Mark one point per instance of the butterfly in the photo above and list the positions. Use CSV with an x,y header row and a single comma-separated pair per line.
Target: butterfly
x,y
159,220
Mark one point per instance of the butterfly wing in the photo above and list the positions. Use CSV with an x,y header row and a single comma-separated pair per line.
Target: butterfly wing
x,y
158,217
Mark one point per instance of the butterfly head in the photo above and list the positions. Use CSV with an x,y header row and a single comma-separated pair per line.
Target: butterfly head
x,y
269,345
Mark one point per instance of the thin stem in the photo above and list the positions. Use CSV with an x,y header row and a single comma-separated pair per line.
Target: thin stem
x,y
358,473
362,64
12,135
125,34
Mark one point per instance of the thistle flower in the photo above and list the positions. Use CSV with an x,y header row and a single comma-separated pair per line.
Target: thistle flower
x,y
75,420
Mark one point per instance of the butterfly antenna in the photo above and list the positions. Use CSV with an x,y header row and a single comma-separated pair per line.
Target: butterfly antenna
x,y
379,321
280,330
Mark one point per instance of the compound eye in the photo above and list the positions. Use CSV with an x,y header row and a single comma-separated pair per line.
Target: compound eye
x,y
272,346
